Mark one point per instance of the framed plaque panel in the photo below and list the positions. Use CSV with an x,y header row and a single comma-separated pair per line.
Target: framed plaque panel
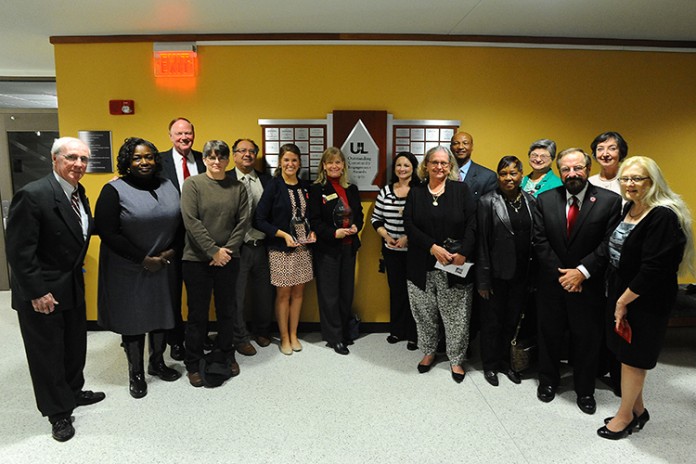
x,y
311,136
419,136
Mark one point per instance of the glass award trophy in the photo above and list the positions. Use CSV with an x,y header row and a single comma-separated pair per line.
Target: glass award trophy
x,y
342,216
299,229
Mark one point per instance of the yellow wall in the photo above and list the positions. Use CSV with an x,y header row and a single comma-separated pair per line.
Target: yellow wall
x,y
504,97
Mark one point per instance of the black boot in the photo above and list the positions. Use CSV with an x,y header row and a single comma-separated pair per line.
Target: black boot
x,y
156,366
135,348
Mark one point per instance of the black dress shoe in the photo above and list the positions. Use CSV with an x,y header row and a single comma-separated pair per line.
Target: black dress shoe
x,y
87,397
137,387
339,347
587,404
423,368
457,377
513,376
640,420
604,432
177,352
411,346
546,393
163,372
393,339
491,377
63,430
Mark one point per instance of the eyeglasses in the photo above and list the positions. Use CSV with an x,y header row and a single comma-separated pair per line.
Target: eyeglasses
x,y
244,151
74,158
541,156
634,179
439,163
213,158
567,169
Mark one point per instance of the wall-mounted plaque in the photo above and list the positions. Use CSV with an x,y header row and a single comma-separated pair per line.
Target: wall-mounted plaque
x,y
310,136
99,143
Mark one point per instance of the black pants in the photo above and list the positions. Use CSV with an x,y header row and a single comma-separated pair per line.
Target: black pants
x,y
499,317
175,335
202,281
335,276
401,320
580,314
255,275
56,346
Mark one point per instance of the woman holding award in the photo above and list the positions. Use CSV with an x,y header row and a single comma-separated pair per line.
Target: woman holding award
x,y
336,216
282,215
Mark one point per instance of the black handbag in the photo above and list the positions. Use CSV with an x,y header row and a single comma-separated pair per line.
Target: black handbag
x,y
523,353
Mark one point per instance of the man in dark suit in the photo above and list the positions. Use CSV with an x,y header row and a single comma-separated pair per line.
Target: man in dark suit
x,y
178,163
48,229
480,179
572,224
254,271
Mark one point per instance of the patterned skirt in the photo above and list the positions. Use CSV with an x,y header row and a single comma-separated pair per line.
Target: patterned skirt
x,y
290,268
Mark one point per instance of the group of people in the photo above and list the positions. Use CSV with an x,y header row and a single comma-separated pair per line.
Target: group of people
x,y
538,242
588,257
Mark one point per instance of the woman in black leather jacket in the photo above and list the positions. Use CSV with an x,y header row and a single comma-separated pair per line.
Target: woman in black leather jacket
x,y
504,250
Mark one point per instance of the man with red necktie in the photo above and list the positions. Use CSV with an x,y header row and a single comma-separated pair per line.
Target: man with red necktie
x,y
178,164
571,226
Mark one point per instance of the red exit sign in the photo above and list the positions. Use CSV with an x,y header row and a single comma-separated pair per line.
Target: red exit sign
x,y
176,64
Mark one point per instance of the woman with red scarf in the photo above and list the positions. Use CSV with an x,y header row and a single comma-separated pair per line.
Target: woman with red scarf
x,y
336,217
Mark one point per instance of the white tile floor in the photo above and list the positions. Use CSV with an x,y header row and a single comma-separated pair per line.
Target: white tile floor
x,y
316,406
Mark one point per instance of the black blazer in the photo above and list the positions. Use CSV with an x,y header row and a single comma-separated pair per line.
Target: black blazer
x,y
587,244
321,216
480,180
169,169
457,221
274,211
496,256
45,247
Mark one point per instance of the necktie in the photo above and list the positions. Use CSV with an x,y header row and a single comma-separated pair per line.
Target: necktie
x,y
250,195
573,211
184,168
75,202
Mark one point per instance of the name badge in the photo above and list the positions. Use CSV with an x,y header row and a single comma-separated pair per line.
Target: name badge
x,y
333,196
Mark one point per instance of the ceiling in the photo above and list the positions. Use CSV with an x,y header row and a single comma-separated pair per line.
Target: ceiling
x,y
25,26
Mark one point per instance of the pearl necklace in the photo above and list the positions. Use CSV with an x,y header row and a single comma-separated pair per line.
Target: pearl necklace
x,y
437,194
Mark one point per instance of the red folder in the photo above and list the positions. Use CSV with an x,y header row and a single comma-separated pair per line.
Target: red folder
x,y
624,330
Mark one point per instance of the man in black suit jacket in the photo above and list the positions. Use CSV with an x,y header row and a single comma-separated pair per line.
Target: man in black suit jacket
x,y
480,179
48,229
570,243
182,135
254,271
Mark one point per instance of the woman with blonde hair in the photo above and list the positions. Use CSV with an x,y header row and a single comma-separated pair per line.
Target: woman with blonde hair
x,y
440,221
336,217
648,250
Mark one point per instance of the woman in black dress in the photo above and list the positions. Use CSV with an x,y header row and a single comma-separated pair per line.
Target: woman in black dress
x,y
648,249
504,245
